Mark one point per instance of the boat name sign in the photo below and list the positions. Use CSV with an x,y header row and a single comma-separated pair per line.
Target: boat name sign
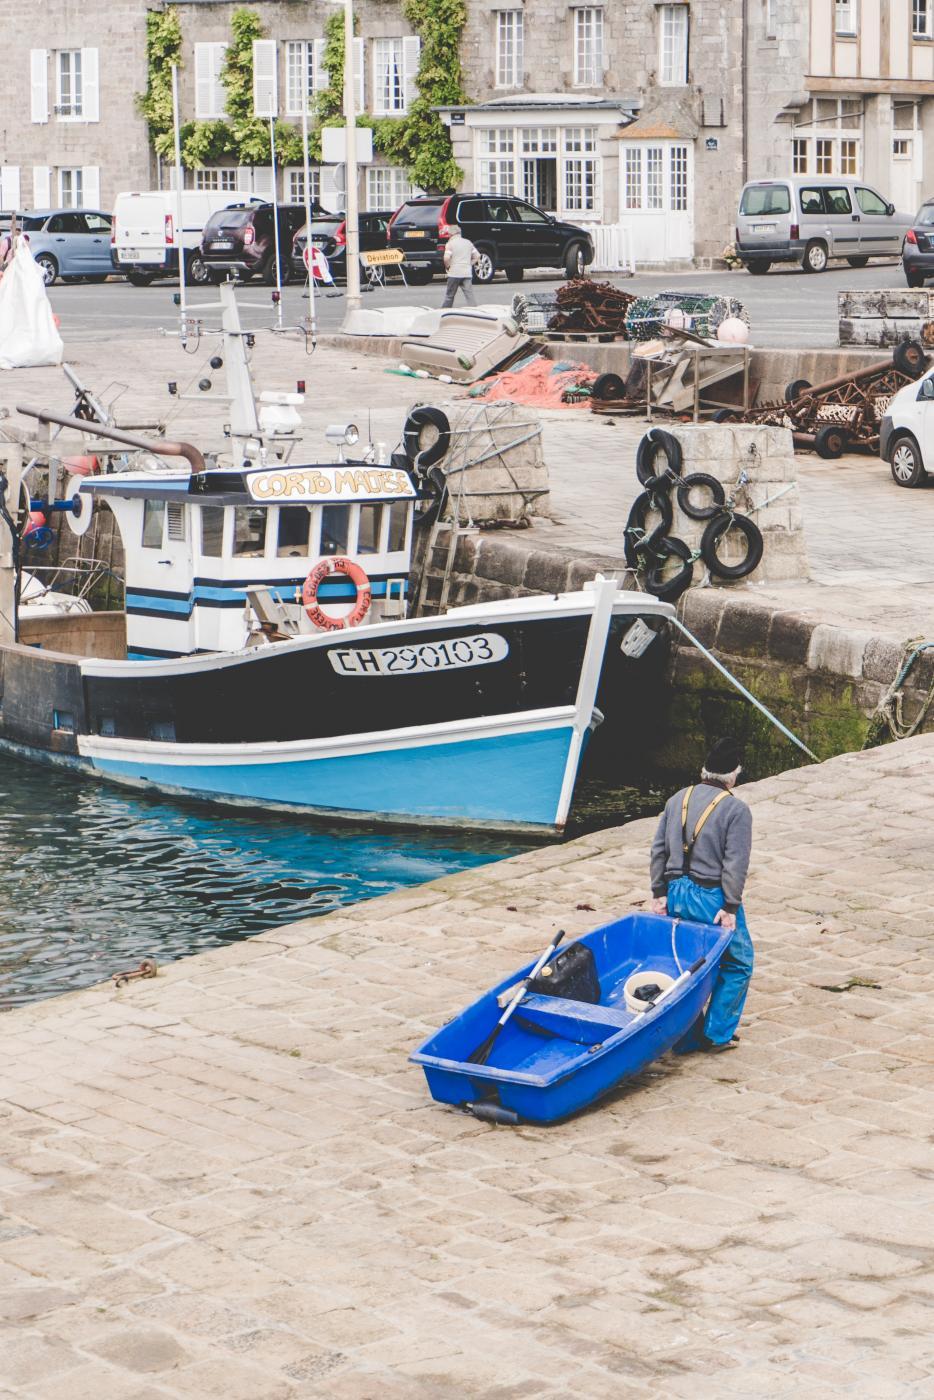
x,y
480,649
329,484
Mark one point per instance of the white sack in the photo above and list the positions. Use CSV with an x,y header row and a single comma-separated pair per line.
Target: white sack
x,y
28,335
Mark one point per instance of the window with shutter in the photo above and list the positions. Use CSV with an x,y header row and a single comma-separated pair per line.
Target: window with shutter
x,y
673,45
388,77
175,521
70,92
265,78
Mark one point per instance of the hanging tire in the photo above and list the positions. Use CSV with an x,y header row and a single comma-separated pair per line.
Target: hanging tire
x,y
655,443
636,541
831,442
671,588
716,530
795,389
700,481
909,358
436,485
815,256
608,386
906,462
419,419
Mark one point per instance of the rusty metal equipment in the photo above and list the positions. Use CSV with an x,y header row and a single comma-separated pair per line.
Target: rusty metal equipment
x,y
147,968
845,412
580,307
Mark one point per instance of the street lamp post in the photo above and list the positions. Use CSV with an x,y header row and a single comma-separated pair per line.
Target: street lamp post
x,y
352,210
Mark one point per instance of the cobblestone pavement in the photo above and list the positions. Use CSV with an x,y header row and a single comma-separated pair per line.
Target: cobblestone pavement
x,y
228,1182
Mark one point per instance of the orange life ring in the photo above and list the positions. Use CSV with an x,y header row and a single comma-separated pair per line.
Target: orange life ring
x,y
357,577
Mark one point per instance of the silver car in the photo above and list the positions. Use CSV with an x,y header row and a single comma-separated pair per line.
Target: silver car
x,y
810,219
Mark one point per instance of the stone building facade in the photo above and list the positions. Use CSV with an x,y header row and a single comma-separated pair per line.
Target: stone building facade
x,y
637,114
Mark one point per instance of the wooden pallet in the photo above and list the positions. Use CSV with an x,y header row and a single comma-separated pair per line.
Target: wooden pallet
x,y
580,337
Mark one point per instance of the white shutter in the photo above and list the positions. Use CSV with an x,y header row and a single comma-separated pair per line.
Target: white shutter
x,y
39,84
91,186
41,187
210,95
320,72
411,51
360,94
90,88
244,179
263,183
265,75
9,187
332,196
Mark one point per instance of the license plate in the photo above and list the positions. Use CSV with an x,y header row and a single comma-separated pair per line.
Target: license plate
x,y
130,255
415,233
762,228
221,243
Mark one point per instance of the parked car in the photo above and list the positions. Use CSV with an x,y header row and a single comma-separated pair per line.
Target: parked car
x,y
906,433
146,239
918,248
507,232
812,219
329,233
73,244
242,239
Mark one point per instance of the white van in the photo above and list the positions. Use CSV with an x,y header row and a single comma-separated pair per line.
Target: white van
x,y
810,219
144,240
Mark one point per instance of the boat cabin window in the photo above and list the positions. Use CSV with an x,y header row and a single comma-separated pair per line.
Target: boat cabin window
x,y
212,531
335,529
153,521
294,530
249,532
368,533
398,523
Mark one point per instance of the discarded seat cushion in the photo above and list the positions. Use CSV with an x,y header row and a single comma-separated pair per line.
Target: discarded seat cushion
x,y
467,345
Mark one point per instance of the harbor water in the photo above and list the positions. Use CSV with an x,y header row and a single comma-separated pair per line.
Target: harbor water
x,y
94,878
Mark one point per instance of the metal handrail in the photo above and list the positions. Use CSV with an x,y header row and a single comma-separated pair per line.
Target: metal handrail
x,y
81,425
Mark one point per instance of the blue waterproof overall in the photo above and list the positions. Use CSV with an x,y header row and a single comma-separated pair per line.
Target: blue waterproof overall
x,y
689,900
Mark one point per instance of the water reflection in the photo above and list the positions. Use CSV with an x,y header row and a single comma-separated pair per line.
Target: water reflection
x,y
92,879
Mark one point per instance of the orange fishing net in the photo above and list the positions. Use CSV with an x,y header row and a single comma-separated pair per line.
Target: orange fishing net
x,y
539,383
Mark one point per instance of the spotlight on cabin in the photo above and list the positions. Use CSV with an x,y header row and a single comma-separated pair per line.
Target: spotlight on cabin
x,y
342,434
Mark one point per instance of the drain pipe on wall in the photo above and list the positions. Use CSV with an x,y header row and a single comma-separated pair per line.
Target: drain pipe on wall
x,y
743,691
744,86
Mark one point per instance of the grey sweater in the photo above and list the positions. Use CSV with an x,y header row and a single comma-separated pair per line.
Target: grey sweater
x,y
721,853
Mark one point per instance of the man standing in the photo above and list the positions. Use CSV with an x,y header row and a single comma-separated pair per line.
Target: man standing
x,y
700,857
460,259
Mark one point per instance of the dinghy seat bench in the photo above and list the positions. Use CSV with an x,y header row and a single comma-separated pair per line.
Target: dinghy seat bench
x,y
583,1021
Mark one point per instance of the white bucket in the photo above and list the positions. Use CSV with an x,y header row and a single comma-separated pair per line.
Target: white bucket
x,y
643,979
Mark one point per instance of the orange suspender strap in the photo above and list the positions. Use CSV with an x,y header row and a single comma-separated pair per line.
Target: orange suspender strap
x,y
687,847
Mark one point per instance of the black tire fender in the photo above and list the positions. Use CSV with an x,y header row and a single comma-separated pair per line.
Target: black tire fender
x,y
420,418
636,541
436,484
669,589
698,481
656,441
715,532
909,358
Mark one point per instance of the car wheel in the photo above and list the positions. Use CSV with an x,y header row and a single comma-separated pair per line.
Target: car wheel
x,y
197,272
485,268
758,267
914,279
858,262
905,461
575,264
830,442
417,276
514,273
815,256
138,279
48,267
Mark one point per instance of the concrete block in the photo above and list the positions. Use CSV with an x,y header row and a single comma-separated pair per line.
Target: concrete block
x,y
790,638
701,610
498,559
837,649
744,628
547,573
881,660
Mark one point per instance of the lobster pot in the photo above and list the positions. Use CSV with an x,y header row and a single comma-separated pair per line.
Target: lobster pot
x,y
769,496
495,465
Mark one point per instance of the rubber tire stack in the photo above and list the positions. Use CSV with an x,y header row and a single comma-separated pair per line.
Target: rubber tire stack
x,y
648,551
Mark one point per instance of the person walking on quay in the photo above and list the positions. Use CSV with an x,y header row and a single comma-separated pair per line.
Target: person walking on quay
x,y
700,857
460,259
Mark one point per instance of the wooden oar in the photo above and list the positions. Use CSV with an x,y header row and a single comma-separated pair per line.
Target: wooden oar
x,y
482,1052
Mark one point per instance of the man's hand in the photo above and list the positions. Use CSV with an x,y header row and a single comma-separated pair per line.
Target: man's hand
x,y
728,921
660,904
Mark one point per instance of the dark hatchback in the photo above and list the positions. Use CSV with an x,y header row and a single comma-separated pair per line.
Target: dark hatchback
x,y
329,233
241,239
918,247
507,232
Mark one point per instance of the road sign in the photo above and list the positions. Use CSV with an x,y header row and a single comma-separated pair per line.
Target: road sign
x,y
334,144
317,264
382,257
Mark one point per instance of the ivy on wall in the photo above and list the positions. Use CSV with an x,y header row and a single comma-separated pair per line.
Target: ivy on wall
x,y
417,141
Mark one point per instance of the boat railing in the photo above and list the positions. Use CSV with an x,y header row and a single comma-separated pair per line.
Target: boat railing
x,y
82,578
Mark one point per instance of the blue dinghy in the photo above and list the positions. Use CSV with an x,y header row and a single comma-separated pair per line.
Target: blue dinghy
x,y
558,1054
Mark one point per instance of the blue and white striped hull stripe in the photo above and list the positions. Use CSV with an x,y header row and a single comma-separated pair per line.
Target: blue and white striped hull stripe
x,y
149,602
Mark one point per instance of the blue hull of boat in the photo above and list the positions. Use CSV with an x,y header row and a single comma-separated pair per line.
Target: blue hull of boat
x,y
556,1056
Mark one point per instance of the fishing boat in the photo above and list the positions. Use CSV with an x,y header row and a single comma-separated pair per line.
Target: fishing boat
x,y
632,989
268,655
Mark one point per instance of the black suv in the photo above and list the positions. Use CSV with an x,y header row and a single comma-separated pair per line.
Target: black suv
x,y
507,232
241,239
329,233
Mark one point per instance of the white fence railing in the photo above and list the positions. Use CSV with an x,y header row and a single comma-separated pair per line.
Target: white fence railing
x,y
612,248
